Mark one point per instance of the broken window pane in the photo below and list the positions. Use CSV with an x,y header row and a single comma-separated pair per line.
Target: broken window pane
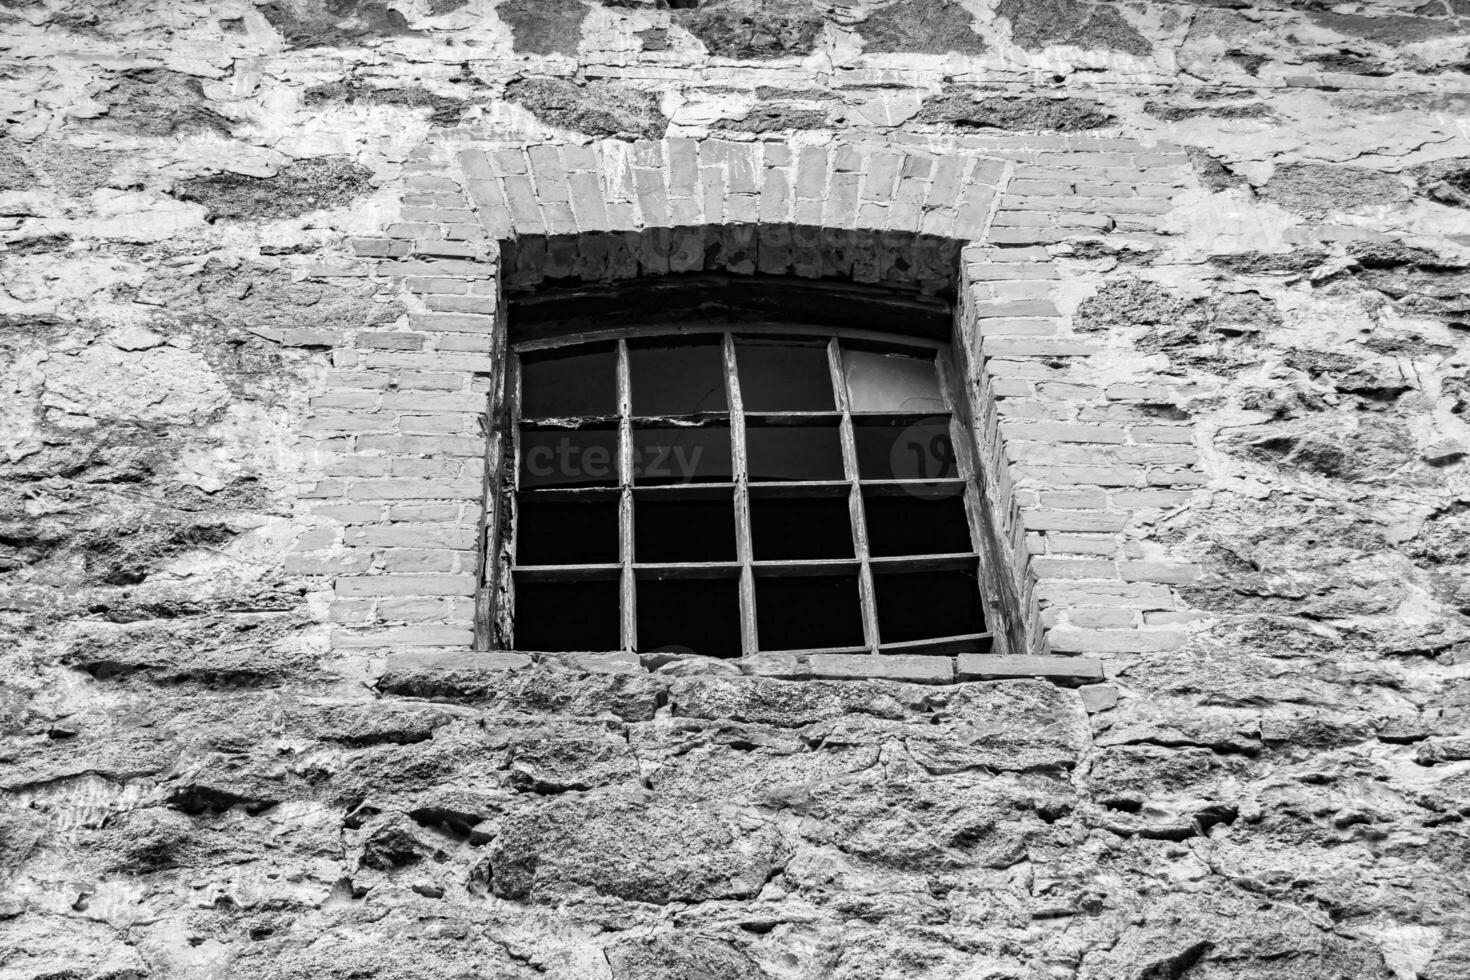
x,y
568,457
677,378
567,616
561,529
793,452
917,519
570,383
664,454
784,377
683,526
905,448
697,615
891,382
798,528
806,612
928,604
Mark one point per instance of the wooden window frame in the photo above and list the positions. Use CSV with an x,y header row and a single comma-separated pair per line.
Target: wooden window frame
x,y
495,603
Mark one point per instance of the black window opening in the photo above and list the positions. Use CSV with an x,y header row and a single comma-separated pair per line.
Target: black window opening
x,y
734,489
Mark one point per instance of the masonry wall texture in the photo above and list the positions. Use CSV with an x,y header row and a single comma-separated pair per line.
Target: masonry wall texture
x,y
1211,265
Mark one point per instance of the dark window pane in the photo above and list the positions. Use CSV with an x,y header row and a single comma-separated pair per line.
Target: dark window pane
x,y
924,605
808,612
680,526
567,616
681,454
557,531
788,528
898,448
777,377
677,379
919,520
891,382
582,381
568,458
793,452
690,616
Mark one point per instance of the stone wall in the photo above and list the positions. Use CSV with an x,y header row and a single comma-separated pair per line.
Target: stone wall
x,y
1216,295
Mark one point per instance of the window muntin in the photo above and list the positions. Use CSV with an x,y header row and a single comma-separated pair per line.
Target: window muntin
x,y
741,491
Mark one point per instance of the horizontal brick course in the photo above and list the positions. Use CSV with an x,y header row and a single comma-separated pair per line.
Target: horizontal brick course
x,y
401,585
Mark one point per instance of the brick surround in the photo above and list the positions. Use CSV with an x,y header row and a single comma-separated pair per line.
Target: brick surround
x,y
1078,464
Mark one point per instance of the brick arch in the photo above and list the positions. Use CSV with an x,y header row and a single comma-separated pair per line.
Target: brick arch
x,y
770,200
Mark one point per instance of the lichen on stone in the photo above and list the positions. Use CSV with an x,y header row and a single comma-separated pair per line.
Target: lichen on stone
x,y
922,26
159,102
15,173
775,117
297,188
333,23
1445,181
1315,190
544,26
602,109
1133,302
444,110
974,110
1035,24
754,29
1211,171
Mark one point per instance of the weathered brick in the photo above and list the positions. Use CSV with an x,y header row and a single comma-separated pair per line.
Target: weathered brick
x,y
1068,640
985,666
1103,476
400,488
1083,544
1150,499
331,423
1075,499
1176,478
1102,617
399,585
1170,573
403,636
1062,432
1073,568
424,445
425,559
409,535
390,340
347,563
1133,595
1037,347
1162,433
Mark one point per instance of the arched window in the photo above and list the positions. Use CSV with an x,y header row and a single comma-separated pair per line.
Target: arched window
x,y
725,466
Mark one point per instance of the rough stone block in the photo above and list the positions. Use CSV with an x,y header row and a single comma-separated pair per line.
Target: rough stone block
x,y
921,669
985,666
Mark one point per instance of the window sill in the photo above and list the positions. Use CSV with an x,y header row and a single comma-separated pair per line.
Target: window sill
x,y
408,670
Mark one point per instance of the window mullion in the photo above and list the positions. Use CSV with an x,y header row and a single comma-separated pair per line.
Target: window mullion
x,y
627,580
744,550
854,499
